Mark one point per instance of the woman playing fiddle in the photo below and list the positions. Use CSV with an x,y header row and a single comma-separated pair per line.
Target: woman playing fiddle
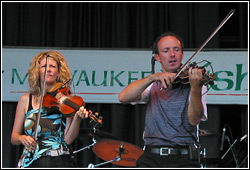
x,y
55,132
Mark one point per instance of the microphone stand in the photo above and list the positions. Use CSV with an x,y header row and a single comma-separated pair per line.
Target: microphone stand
x,y
153,64
233,152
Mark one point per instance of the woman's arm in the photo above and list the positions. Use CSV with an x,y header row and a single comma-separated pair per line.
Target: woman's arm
x,y
73,125
17,137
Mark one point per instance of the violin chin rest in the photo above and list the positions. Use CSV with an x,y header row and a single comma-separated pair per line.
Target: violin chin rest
x,y
51,109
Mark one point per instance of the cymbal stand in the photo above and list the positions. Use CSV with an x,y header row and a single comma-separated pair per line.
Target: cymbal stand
x,y
86,147
233,152
203,160
116,159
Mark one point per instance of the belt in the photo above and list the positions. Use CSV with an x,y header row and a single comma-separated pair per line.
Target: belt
x,y
57,152
165,151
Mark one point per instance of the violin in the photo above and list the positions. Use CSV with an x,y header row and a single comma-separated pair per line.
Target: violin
x,y
59,98
183,77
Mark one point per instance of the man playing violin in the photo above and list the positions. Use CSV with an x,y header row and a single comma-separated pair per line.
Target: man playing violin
x,y
173,112
55,133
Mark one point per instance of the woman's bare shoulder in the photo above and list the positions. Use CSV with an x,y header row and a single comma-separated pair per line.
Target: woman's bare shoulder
x,y
24,98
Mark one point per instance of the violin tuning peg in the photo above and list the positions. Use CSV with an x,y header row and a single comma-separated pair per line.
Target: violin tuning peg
x,y
212,76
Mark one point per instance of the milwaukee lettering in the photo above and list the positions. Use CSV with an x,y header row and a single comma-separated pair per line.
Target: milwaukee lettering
x,y
225,79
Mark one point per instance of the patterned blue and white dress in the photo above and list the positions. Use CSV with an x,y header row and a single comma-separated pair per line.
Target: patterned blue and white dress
x,y
50,134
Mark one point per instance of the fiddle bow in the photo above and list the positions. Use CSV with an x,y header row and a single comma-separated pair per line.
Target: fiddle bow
x,y
27,150
184,66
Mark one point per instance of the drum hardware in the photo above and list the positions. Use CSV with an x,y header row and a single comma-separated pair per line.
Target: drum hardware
x,y
233,151
203,158
118,158
95,134
117,152
107,147
239,153
206,133
86,147
86,133
207,162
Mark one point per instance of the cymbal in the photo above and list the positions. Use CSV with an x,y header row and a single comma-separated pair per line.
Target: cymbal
x,y
89,133
203,132
108,150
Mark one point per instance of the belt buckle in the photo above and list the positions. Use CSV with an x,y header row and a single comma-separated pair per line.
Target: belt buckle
x,y
163,151
53,153
57,152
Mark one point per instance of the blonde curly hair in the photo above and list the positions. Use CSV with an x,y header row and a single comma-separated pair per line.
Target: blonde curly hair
x,y
33,72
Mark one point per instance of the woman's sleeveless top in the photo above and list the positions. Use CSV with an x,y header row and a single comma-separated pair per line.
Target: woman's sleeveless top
x,y
50,134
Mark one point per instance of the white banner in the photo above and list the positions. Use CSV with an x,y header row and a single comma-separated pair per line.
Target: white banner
x,y
99,75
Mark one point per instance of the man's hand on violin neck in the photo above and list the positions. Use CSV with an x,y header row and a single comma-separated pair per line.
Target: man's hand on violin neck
x,y
195,77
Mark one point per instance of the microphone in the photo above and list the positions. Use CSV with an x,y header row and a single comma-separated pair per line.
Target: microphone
x,y
222,138
153,58
153,64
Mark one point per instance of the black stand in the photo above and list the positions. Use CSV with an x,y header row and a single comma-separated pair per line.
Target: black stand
x,y
153,64
86,147
233,151
118,158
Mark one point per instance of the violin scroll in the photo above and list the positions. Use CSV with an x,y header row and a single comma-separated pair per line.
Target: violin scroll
x,y
95,118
